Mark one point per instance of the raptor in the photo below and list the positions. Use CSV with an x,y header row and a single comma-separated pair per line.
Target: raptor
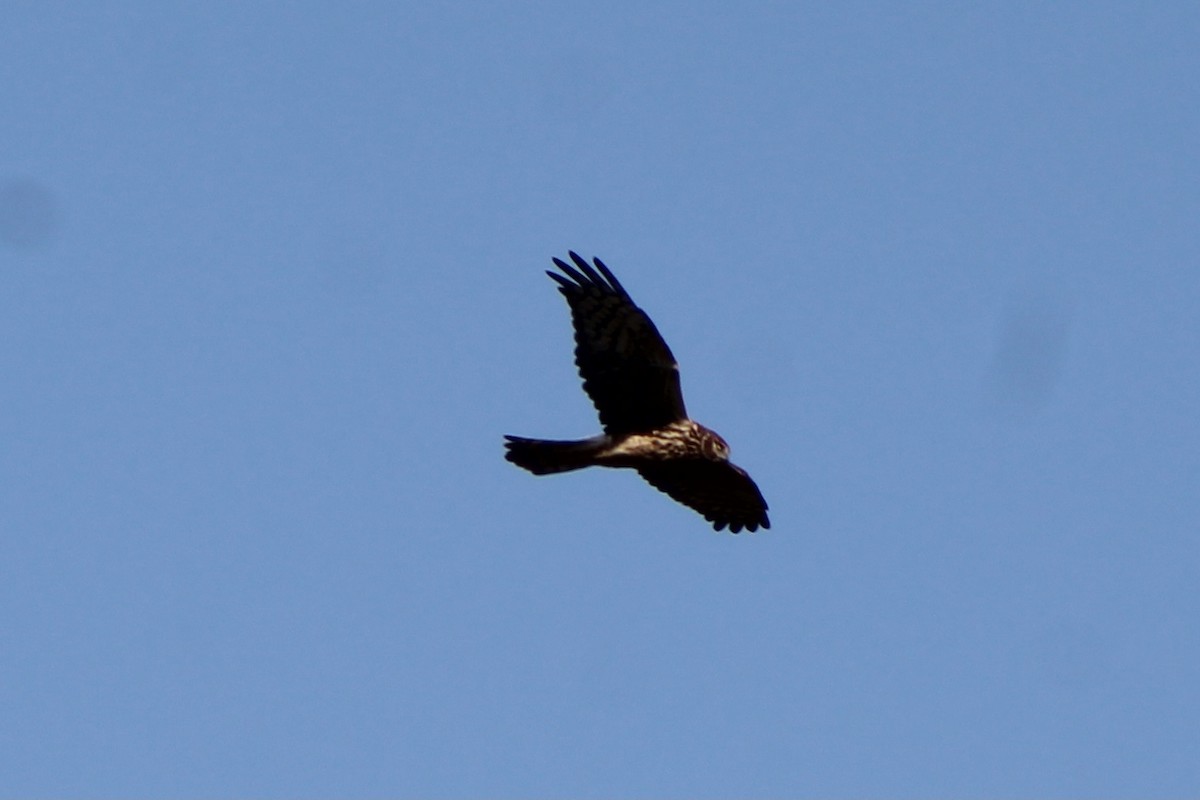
x,y
633,380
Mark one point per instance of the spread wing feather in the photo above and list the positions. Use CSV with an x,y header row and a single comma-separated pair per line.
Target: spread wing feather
x,y
723,493
627,369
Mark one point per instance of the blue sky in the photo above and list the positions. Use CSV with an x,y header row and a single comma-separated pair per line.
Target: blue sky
x,y
271,291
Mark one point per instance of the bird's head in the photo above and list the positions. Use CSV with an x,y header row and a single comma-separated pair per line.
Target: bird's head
x,y
715,447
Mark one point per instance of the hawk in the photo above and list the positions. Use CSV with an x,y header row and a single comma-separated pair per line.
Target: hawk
x,y
633,380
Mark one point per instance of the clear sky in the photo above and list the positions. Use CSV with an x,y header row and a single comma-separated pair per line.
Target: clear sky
x,y
271,291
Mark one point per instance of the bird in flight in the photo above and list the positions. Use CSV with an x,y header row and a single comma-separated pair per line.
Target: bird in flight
x,y
633,380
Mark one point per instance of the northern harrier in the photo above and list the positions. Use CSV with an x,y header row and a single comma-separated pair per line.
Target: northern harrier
x,y
633,380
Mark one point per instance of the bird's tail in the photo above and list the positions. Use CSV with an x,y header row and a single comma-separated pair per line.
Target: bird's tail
x,y
545,457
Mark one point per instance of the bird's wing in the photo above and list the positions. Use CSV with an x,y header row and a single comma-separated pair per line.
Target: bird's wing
x,y
627,368
722,492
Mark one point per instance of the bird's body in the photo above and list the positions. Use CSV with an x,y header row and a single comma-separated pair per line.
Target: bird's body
x,y
633,380
682,439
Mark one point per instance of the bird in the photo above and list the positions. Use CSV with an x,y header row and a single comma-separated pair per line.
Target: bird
x,y
632,378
